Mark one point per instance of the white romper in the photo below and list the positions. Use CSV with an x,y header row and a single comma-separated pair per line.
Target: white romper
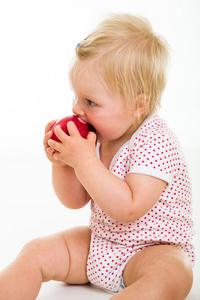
x,y
153,150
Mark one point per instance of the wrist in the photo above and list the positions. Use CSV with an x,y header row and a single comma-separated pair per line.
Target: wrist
x,y
83,164
58,166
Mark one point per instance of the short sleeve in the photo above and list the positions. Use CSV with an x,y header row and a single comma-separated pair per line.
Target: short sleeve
x,y
156,154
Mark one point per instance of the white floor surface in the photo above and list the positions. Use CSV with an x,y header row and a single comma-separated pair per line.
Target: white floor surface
x,y
58,291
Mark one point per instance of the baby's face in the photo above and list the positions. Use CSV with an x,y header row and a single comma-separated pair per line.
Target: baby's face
x,y
97,105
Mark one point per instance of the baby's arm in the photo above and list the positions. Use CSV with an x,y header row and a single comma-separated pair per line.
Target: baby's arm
x,y
67,187
123,200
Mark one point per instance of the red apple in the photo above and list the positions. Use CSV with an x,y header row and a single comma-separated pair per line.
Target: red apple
x,y
81,125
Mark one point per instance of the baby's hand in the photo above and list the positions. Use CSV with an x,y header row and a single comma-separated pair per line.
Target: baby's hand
x,y
48,150
73,148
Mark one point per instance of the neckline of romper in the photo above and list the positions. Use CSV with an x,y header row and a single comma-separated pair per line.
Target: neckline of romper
x,y
148,119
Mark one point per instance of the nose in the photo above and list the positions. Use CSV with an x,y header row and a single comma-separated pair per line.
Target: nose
x,y
77,108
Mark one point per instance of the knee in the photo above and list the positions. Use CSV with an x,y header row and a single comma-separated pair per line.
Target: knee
x,y
181,277
172,273
37,255
34,251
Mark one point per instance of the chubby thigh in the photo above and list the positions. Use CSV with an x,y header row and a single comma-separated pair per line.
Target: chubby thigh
x,y
62,256
78,243
160,269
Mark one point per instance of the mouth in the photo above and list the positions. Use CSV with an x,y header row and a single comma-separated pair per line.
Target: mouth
x,y
85,122
90,127
80,120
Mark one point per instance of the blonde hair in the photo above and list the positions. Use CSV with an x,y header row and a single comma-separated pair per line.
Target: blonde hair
x,y
129,56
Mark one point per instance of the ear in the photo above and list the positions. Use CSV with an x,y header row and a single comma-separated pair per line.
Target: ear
x,y
141,104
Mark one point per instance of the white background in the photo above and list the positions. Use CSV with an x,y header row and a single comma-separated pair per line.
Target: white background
x,y
37,41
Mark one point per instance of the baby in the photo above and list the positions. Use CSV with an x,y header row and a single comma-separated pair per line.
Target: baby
x,y
138,244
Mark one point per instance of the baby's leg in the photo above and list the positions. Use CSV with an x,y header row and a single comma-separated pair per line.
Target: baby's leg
x,y
157,273
61,257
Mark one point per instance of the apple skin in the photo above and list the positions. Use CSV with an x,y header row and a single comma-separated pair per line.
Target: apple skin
x,y
82,126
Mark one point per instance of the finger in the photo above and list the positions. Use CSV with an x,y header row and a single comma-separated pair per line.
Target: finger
x,y
49,126
54,145
46,138
49,153
61,135
56,156
92,136
72,129
50,150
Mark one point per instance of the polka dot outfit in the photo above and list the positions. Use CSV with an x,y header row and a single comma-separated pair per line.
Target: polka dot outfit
x,y
153,150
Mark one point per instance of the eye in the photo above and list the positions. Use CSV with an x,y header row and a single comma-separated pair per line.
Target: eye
x,y
90,103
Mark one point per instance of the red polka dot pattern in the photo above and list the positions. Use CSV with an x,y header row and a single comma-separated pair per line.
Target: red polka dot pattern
x,y
153,150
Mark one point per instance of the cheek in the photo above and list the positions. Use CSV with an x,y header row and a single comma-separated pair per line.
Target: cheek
x,y
96,118
107,132
108,125
104,130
